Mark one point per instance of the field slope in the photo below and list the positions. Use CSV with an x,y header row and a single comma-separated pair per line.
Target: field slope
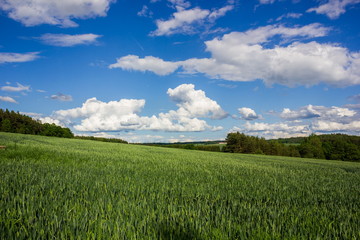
x,y
77,189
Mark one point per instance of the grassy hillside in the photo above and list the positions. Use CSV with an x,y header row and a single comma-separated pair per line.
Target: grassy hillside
x,y
69,188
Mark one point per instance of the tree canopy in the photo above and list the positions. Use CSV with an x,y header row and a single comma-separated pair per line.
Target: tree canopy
x,y
330,146
15,122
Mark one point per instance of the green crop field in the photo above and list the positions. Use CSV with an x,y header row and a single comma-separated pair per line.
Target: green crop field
x,y
54,188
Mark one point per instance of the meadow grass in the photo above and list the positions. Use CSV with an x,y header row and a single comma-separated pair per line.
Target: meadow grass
x,y
54,188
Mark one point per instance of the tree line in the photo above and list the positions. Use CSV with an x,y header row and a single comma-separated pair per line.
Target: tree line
x,y
101,139
212,147
331,146
15,122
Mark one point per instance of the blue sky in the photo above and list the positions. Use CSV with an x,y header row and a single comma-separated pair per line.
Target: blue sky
x,y
176,70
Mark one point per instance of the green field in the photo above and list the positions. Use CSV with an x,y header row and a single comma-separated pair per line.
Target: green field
x,y
53,188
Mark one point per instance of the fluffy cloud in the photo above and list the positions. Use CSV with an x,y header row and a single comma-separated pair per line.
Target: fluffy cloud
x,y
322,112
19,88
248,56
66,40
259,127
100,116
18,57
51,121
62,97
149,63
8,99
333,8
331,126
120,115
306,120
54,12
248,114
265,33
274,130
195,103
186,21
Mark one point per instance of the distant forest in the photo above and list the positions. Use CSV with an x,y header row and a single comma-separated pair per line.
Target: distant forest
x,y
14,122
331,146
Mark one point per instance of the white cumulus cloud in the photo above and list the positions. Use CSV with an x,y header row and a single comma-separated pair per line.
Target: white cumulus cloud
x,y
248,114
332,126
54,12
51,121
274,130
311,111
248,56
97,116
66,40
195,103
259,127
306,120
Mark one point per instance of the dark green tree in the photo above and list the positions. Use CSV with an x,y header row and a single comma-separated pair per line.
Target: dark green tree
x,y
6,125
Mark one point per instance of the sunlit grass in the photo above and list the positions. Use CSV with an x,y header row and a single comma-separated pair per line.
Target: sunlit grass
x,y
77,189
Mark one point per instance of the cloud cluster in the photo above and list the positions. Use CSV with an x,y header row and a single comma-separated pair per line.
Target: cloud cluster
x,y
248,114
333,8
6,57
50,121
311,111
66,40
54,12
194,103
96,116
330,126
251,55
306,120
275,130
187,21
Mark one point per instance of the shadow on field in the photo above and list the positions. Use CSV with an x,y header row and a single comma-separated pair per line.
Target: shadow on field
x,y
173,230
